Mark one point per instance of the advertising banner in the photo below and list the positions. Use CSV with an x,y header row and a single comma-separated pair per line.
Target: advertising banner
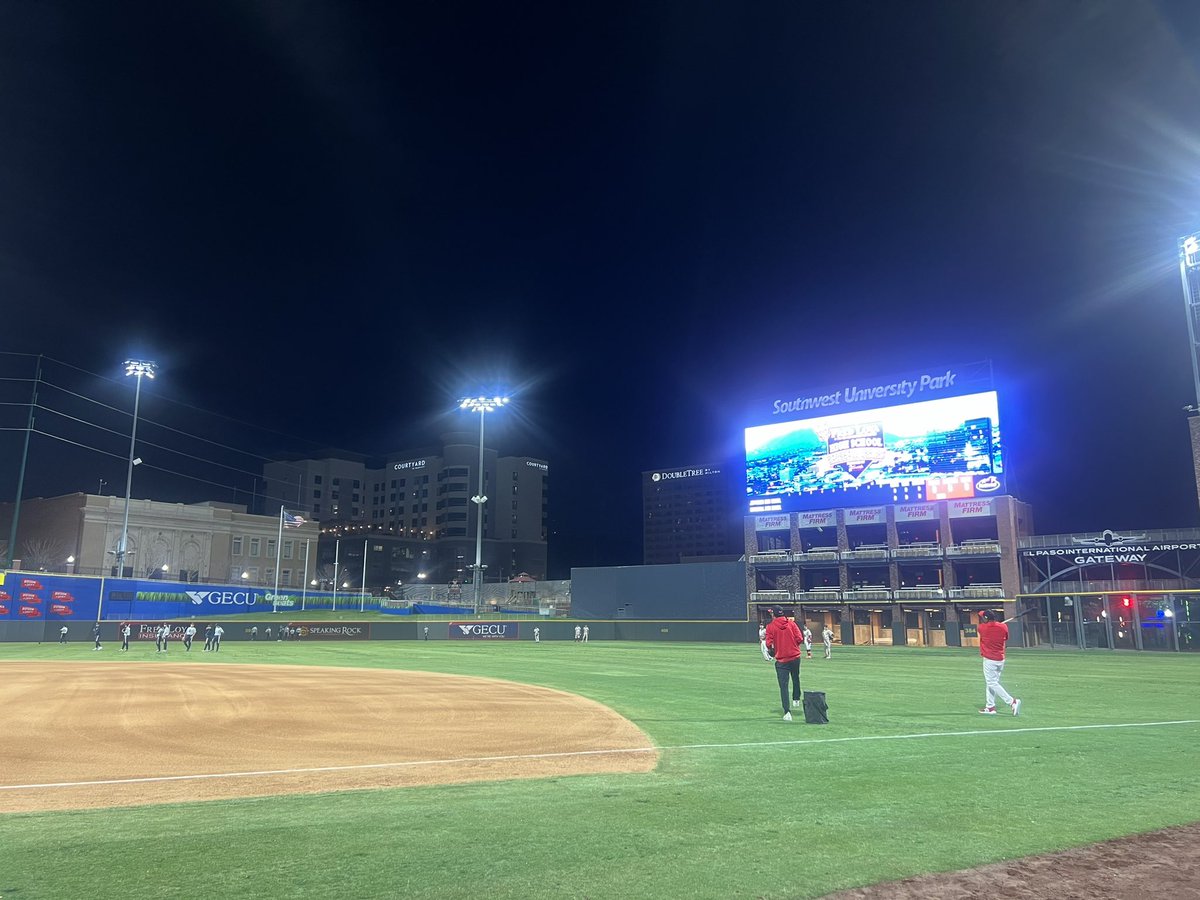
x,y
917,512
45,596
968,509
826,518
867,515
483,631
772,523
329,631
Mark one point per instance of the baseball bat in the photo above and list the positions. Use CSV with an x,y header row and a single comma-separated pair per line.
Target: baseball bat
x,y
1018,615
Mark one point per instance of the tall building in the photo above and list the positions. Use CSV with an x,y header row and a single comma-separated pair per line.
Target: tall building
x,y
689,513
416,507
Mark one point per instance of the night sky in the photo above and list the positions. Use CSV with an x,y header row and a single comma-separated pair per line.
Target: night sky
x,y
328,221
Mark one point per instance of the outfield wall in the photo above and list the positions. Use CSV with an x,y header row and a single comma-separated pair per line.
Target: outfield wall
x,y
466,629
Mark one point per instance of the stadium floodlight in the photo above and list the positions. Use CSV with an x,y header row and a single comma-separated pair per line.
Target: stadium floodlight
x,y
140,369
1189,275
483,406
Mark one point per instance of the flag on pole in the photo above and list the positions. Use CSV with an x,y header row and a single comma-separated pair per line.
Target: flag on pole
x,y
291,520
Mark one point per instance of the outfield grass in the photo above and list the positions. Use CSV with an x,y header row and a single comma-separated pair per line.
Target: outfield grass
x,y
906,778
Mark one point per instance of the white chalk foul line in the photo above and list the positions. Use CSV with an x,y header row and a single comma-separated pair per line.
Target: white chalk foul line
x,y
575,753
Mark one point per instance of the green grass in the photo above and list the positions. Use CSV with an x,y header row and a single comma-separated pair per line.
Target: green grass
x,y
742,804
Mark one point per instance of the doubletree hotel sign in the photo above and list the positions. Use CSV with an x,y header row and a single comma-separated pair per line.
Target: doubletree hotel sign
x,y
1109,556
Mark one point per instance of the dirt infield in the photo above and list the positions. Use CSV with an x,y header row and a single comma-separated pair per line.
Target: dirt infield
x,y
1162,865
99,735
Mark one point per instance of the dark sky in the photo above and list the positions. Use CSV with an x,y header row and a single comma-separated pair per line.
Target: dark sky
x,y
333,219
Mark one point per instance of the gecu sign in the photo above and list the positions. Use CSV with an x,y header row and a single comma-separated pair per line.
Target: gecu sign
x,y
223,598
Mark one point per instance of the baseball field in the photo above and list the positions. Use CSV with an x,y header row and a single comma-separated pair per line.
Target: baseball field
x,y
599,770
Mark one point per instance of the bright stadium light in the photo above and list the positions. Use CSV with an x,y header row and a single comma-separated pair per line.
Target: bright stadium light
x,y
1189,275
140,369
483,406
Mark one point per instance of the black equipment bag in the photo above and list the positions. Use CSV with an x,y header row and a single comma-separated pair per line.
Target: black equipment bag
x,y
816,710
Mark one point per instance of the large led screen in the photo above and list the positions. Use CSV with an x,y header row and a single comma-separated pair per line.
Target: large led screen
x,y
933,450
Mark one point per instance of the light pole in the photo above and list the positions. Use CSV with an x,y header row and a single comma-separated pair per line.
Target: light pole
x,y
483,406
138,368
1189,274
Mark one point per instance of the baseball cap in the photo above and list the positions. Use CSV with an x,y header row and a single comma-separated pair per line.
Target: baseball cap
x,y
987,615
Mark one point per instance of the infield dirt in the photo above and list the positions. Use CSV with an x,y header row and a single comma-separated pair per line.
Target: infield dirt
x,y
90,735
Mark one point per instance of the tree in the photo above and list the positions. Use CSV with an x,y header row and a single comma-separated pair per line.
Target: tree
x,y
43,553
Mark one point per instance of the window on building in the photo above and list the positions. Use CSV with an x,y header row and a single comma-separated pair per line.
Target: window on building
x,y
254,546
251,574
317,494
269,575
285,576
356,484
271,548
337,482
289,547
316,479
236,550
316,509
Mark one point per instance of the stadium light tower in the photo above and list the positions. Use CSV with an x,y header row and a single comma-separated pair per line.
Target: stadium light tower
x,y
140,369
1189,274
483,406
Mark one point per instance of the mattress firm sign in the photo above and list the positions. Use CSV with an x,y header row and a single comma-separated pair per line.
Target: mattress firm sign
x,y
868,515
969,509
826,518
917,512
773,523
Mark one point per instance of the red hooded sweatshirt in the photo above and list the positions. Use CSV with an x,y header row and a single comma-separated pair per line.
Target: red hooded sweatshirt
x,y
784,635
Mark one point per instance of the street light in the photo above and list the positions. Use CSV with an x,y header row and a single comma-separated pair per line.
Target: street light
x,y
138,368
483,406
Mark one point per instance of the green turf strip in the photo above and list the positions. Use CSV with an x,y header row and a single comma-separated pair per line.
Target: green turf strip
x,y
742,805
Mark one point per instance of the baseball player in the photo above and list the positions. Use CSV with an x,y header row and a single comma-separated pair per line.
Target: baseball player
x,y
578,634
827,639
125,630
96,635
993,635
585,634
783,639
762,642
188,634
160,638
537,635
208,638
218,633
807,634
62,635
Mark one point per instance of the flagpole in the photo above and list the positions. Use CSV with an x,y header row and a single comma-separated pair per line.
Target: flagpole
x,y
337,548
362,591
304,587
278,557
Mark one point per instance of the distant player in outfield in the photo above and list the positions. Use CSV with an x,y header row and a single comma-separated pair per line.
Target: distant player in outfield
x,y
218,633
537,635
62,635
827,638
993,635
585,634
578,634
188,634
125,630
762,642
96,635
807,634
783,643
208,638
